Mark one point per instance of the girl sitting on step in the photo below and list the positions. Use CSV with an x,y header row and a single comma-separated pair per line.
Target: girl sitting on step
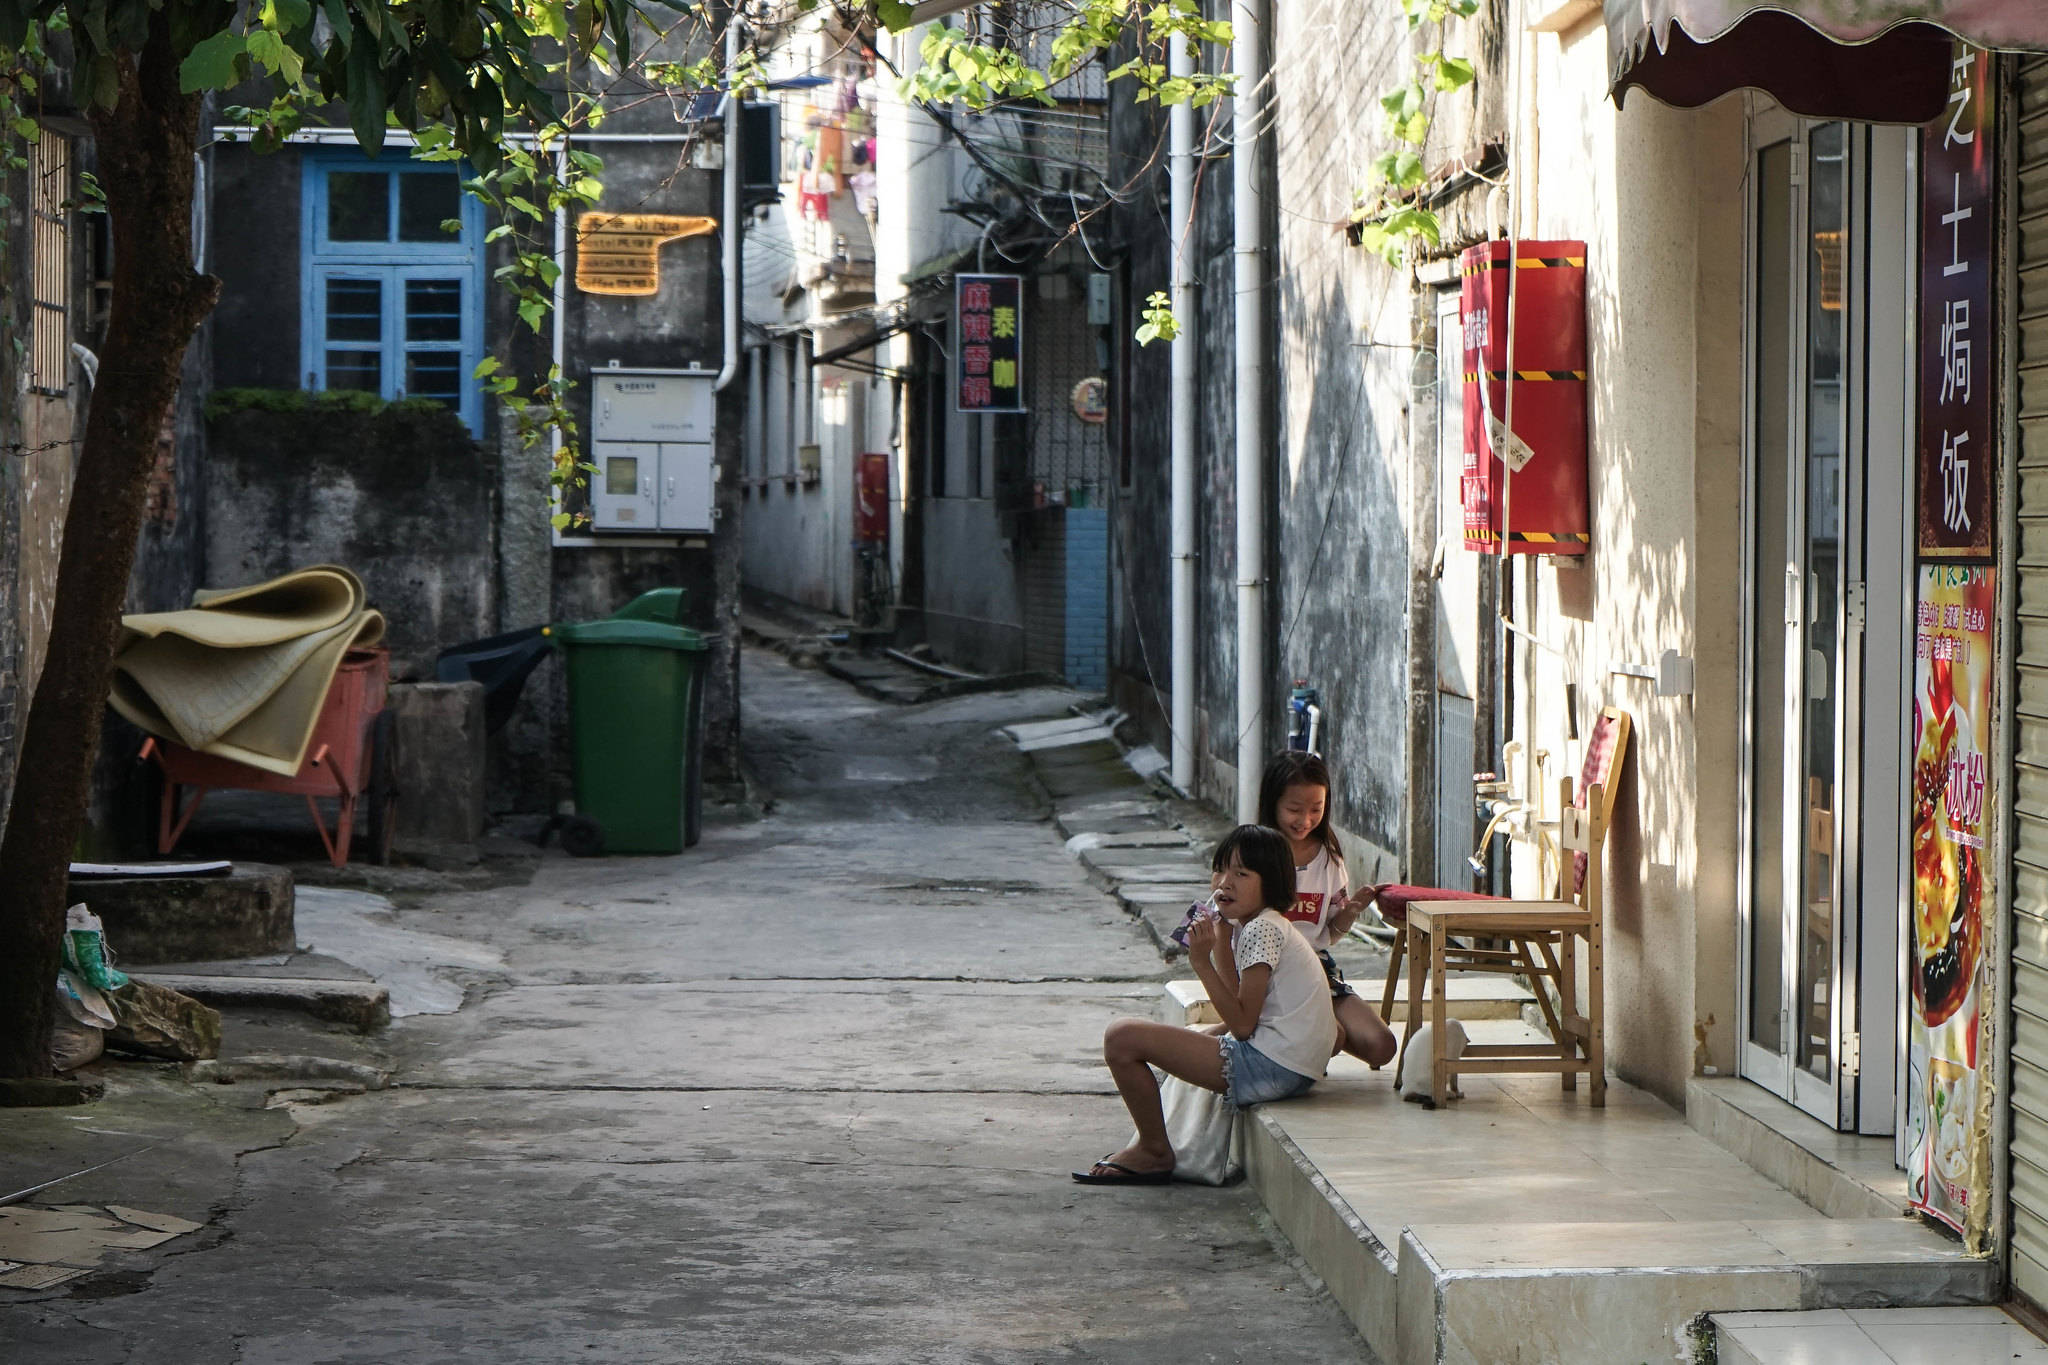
x,y
1263,979
1294,798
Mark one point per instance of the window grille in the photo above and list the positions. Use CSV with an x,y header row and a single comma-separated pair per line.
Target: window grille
x,y
50,266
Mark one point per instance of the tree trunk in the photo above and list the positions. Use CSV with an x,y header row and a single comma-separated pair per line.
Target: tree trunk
x,y
145,147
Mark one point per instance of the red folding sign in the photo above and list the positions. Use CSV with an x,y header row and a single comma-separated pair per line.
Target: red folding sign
x,y
1524,491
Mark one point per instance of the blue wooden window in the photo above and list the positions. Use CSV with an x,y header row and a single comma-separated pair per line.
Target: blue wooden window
x,y
393,301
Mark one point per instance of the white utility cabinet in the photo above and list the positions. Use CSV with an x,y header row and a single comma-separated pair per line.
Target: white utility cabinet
x,y
651,439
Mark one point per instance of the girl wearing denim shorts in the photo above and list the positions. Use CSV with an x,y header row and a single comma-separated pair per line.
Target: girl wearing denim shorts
x,y
1278,1030
1294,798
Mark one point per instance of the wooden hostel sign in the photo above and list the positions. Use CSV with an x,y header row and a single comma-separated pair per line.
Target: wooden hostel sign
x,y
620,253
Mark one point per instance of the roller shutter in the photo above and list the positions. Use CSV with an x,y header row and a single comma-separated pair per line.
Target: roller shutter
x,y
2029,1031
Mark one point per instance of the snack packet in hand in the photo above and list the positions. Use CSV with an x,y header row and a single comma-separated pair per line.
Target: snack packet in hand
x,y
1198,911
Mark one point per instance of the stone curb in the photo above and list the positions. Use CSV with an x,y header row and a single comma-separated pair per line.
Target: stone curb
x,y
363,1005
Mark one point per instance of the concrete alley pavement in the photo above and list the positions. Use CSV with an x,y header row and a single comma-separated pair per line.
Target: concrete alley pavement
x,y
809,1092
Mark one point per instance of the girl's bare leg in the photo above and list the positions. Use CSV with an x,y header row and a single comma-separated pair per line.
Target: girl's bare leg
x,y
1132,1047
1364,1034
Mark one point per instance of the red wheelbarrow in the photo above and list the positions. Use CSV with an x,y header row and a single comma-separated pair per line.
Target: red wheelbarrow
x,y
349,758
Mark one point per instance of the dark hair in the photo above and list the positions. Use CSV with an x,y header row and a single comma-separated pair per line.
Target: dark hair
x,y
1297,767
1265,852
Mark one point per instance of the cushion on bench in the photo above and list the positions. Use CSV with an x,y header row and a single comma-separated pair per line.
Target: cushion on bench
x,y
1393,901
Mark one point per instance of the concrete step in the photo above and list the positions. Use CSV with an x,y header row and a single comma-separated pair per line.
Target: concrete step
x,y
1843,1175
1110,815
1881,1336
364,1005
1487,996
1522,1224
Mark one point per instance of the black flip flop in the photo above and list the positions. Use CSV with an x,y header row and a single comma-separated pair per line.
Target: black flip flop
x,y
1129,1176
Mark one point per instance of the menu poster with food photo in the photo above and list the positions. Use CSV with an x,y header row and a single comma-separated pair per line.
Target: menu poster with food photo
x,y
1951,769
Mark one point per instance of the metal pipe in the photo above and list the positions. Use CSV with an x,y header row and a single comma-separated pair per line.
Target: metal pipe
x,y
1180,173
730,222
1248,63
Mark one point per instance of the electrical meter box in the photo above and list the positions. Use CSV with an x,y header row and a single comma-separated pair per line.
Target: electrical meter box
x,y
651,439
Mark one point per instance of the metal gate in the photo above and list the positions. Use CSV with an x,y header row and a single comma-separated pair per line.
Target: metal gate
x,y
2028,1212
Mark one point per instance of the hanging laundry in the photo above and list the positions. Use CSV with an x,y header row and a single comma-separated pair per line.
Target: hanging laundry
x,y
831,156
862,183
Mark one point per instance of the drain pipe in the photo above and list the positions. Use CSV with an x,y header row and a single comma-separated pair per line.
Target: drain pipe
x,y
1180,178
1248,63
733,229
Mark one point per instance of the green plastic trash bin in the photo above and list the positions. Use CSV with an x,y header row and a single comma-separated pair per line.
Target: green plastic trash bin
x,y
636,722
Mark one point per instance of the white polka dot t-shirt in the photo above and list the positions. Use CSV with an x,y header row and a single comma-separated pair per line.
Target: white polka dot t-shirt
x,y
1296,1028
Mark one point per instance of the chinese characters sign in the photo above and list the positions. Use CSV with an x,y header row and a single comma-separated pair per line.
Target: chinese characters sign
x,y
620,253
1958,437
1946,1118
988,331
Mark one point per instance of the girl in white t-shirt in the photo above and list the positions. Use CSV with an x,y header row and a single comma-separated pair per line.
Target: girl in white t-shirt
x,y
1278,1033
1294,798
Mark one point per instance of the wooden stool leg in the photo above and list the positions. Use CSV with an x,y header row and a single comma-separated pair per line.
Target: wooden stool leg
x,y
1440,1067
1568,998
1596,1044
1394,976
1418,958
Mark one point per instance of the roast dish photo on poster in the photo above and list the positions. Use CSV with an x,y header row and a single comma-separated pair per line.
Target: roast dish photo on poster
x,y
1951,739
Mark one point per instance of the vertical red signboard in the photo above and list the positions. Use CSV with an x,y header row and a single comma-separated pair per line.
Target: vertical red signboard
x,y
1948,1112
988,355
1958,436
1524,492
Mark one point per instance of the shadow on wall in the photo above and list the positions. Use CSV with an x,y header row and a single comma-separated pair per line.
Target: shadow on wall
x,y
1340,531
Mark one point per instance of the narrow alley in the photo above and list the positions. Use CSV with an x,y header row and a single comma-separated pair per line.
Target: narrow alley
x,y
809,1092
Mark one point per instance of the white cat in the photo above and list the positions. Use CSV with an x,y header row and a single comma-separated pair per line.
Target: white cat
x,y
1414,1082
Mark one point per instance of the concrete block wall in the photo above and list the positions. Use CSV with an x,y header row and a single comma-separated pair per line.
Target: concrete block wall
x,y
1087,624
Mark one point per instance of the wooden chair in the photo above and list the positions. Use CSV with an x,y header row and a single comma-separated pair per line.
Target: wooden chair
x,y
1605,750
1541,939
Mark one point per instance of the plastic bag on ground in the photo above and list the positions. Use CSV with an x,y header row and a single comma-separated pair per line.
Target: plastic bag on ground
x,y
77,1033
1202,1126
86,952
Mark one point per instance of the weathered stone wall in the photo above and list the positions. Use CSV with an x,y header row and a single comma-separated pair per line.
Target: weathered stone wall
x,y
396,492
1341,352
452,536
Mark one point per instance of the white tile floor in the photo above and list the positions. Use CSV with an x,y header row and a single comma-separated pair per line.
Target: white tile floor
x,y
1874,1336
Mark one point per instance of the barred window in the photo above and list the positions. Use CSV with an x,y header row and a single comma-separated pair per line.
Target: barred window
x,y
50,265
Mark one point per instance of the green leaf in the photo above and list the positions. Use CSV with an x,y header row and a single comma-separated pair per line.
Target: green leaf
x,y
1453,73
533,312
894,14
268,49
286,15
213,63
366,102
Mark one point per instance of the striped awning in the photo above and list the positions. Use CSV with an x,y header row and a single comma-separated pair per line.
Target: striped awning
x,y
1878,61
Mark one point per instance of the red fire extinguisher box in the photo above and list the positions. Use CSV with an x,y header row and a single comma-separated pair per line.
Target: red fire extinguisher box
x,y
1524,490
871,497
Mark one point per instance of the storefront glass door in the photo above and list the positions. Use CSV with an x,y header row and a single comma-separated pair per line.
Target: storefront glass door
x,y
1826,457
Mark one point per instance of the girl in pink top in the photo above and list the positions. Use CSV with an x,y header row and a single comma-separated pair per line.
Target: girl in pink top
x,y
1294,798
